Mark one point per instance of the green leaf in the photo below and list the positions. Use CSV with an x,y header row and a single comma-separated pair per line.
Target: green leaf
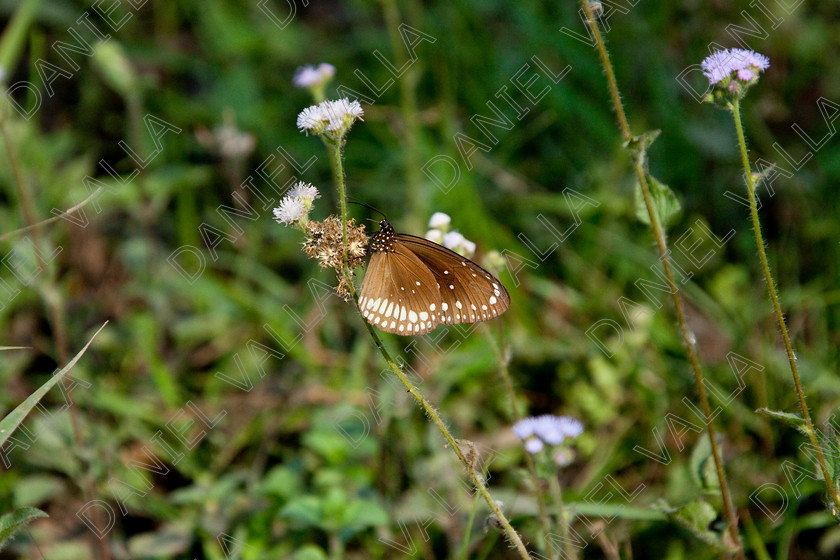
x,y
14,419
702,466
11,523
696,517
665,202
166,542
308,510
788,418
640,143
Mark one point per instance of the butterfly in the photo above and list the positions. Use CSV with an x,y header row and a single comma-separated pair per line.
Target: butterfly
x,y
412,285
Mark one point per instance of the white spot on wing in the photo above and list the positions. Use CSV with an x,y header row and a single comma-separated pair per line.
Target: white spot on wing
x,y
423,315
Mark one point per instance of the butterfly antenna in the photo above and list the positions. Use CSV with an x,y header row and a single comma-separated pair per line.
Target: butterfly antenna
x,y
368,206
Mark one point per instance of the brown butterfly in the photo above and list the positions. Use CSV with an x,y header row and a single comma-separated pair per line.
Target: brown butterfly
x,y
412,285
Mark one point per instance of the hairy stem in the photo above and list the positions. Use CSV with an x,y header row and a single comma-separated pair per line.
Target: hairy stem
x,y
777,309
662,245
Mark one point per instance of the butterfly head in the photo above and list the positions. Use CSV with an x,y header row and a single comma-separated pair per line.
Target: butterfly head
x,y
383,240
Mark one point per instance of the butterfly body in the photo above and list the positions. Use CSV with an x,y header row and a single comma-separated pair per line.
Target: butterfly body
x,y
412,285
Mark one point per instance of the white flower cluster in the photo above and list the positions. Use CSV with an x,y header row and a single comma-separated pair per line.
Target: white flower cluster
x,y
439,233
295,206
333,118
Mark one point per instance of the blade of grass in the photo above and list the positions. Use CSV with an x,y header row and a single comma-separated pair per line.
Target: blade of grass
x,y
14,419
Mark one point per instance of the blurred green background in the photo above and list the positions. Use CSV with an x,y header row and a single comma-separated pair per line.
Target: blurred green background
x,y
254,398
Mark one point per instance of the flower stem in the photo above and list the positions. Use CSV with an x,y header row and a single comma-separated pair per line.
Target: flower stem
x,y
513,536
774,298
516,416
662,245
338,176
557,496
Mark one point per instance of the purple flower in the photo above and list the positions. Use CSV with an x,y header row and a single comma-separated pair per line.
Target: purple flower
x,y
745,64
550,429
308,76
533,445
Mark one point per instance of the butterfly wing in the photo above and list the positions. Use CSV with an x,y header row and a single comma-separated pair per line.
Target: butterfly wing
x,y
399,293
468,292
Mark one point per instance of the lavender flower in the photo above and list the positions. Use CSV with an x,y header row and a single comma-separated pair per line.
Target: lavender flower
x,y
308,76
745,64
546,429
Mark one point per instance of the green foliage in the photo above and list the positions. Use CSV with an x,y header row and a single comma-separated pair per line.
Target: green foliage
x,y
13,522
243,406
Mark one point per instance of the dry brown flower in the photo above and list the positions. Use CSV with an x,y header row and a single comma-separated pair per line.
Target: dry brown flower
x,y
323,242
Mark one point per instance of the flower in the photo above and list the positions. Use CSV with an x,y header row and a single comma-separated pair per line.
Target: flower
x,y
226,139
746,65
291,210
458,243
312,119
533,445
546,429
308,76
304,190
435,235
333,118
295,206
439,220
453,240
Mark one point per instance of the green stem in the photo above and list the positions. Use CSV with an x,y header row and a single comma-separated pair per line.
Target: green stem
x,y
338,176
516,416
777,309
408,108
557,496
662,245
465,547
14,35
478,481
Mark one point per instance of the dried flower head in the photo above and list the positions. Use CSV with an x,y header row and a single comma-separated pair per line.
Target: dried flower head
x,y
323,242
